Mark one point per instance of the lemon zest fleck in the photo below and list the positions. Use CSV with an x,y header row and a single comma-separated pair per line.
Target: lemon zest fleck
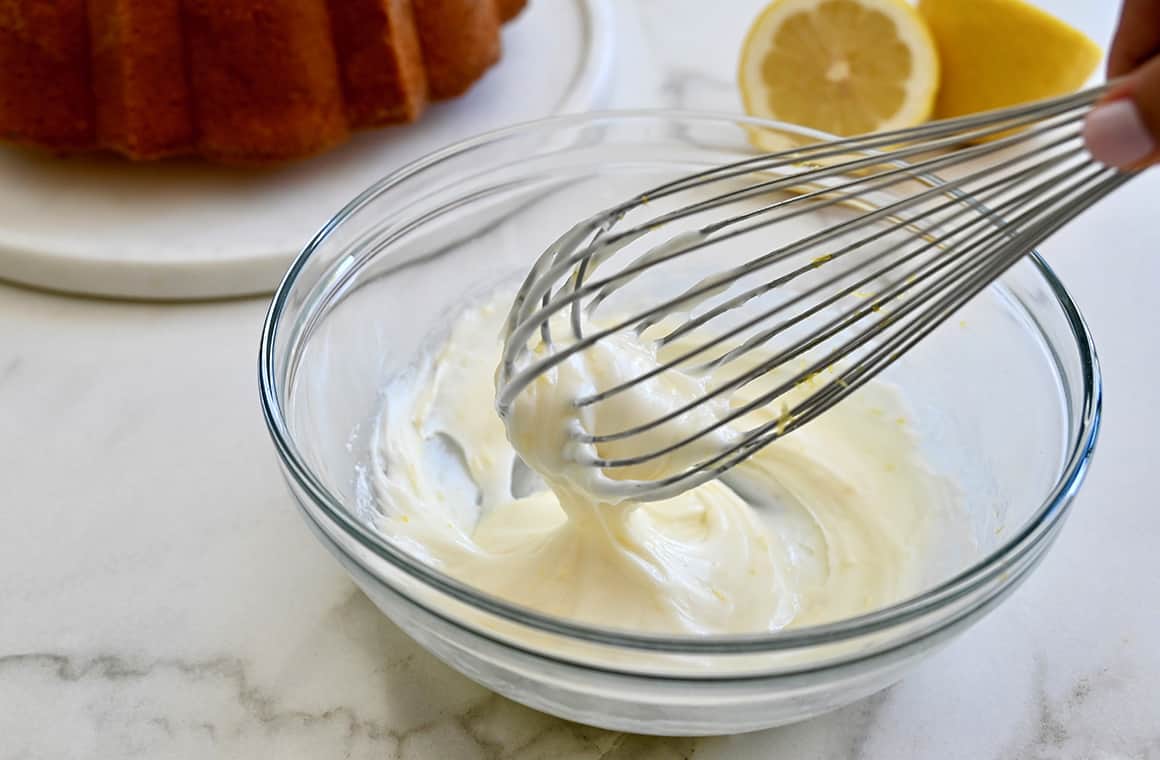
x,y
784,420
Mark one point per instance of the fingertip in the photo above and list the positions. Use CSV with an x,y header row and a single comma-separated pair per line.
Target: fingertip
x,y
1116,134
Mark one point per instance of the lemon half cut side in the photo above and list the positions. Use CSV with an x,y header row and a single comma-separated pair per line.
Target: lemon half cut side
x,y
846,67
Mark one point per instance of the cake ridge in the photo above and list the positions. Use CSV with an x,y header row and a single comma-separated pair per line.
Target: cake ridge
x,y
233,81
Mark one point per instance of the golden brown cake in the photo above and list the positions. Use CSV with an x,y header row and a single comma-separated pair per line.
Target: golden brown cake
x,y
236,81
45,72
460,40
509,9
138,77
379,58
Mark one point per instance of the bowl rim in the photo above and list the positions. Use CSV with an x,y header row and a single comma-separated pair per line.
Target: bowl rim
x,y
974,577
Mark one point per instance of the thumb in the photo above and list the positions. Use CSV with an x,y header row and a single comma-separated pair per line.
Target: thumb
x,y
1124,130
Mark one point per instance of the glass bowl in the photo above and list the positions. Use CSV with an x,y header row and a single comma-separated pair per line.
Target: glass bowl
x,y
1006,399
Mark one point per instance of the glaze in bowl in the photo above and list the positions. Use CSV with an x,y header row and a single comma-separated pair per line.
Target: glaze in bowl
x,y
1007,400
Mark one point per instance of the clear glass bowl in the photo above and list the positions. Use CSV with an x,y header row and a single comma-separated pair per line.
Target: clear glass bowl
x,y
1007,399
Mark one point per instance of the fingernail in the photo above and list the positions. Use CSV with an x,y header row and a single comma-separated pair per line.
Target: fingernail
x,y
1116,134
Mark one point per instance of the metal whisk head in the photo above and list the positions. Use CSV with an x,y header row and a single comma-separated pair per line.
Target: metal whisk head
x,y
826,261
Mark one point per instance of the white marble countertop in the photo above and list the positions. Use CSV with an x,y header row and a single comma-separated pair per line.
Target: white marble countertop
x,y
159,597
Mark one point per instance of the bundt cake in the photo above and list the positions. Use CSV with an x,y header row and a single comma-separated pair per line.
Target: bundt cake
x,y
235,81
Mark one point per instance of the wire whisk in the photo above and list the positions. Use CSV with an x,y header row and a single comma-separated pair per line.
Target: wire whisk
x,y
829,260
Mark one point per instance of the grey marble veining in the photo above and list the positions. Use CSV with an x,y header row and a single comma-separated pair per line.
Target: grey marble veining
x,y
11,368
148,608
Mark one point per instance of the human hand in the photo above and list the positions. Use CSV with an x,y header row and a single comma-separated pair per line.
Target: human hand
x,y
1124,129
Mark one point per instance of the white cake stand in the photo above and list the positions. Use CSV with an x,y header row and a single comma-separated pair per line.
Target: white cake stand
x,y
170,231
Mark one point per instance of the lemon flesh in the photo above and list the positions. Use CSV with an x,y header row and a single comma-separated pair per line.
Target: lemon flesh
x,y
997,53
841,66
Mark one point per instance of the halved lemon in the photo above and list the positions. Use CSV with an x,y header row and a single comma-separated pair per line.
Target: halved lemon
x,y
997,53
842,66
